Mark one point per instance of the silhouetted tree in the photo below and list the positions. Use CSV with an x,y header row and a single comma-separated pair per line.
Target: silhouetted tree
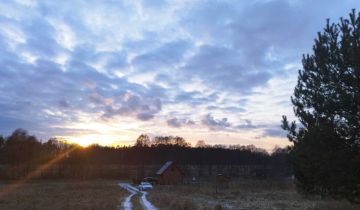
x,y
20,147
326,151
200,144
180,142
142,141
176,141
162,140
220,146
2,141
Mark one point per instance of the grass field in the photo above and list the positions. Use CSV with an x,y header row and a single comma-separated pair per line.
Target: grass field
x,y
246,194
106,194
64,195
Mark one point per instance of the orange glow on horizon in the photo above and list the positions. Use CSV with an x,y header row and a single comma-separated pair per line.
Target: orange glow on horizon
x,y
100,139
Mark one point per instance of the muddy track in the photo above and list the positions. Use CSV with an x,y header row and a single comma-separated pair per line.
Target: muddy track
x,y
127,205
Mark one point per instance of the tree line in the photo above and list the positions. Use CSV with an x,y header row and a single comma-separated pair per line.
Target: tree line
x,y
24,151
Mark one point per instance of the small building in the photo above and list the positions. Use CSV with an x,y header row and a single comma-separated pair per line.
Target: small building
x,y
170,173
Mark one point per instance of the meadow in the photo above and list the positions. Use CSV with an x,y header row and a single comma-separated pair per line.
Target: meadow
x,y
242,194
64,195
107,195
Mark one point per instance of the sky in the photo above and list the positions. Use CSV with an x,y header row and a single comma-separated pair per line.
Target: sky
x,y
107,71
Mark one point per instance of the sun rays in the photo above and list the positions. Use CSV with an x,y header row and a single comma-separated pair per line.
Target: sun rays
x,y
35,173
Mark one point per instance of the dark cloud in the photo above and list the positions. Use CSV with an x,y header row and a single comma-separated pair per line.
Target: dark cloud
x,y
231,109
195,97
173,122
129,104
85,54
156,91
247,125
215,124
177,123
40,38
226,69
145,116
166,55
274,132
64,104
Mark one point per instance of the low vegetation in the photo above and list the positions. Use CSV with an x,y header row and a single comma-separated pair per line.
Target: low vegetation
x,y
64,195
241,194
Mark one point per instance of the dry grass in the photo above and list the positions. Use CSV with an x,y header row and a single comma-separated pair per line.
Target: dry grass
x,y
242,194
135,200
64,195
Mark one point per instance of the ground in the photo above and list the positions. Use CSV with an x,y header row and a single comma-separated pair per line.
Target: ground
x,y
107,194
67,195
136,200
241,194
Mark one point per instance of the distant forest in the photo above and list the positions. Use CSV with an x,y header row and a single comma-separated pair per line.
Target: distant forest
x,y
21,154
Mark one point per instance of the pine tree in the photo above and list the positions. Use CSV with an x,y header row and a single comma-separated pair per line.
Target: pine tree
x,y
326,147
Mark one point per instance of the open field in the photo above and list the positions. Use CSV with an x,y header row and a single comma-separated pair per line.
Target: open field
x,y
245,194
106,194
64,195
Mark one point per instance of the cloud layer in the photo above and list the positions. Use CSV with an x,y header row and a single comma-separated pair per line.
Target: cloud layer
x,y
203,67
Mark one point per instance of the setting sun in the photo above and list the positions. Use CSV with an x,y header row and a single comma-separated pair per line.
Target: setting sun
x,y
84,140
100,139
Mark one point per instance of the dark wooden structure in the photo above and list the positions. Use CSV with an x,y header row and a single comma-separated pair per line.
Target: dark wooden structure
x,y
170,173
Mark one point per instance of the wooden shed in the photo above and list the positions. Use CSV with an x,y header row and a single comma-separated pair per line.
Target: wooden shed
x,y
170,173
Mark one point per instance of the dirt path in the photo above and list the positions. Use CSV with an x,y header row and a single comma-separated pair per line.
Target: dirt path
x,y
127,205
